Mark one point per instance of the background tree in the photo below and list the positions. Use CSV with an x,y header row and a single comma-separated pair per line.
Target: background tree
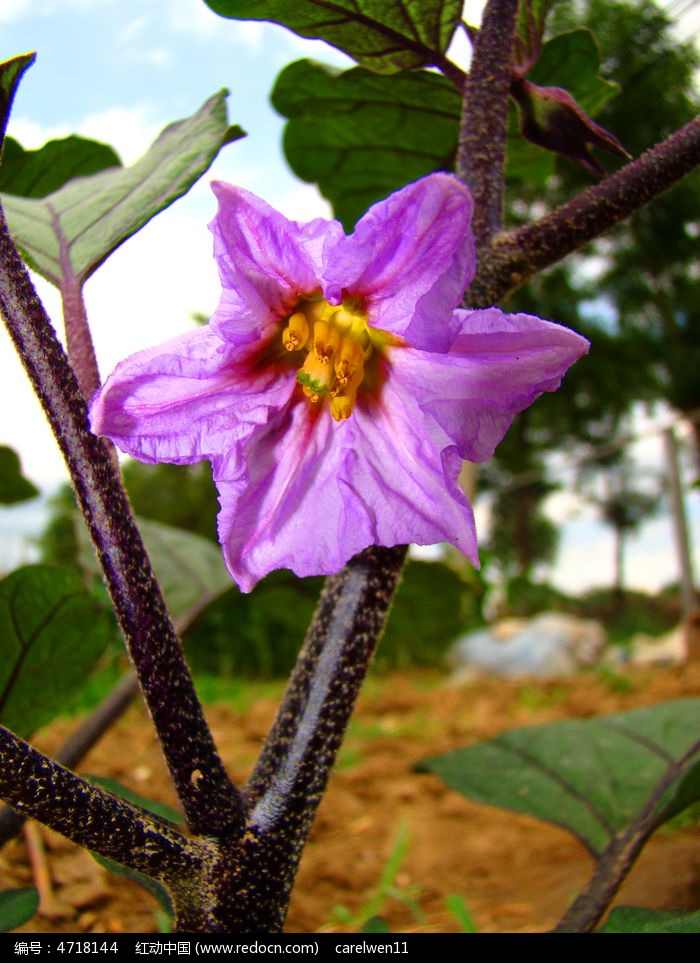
x,y
624,499
633,293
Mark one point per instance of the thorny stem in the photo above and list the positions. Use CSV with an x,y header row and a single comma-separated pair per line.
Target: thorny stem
x,y
211,803
482,140
78,744
293,768
615,863
515,256
39,787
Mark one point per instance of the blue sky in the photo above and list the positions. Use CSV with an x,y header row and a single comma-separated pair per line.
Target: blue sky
x,y
119,71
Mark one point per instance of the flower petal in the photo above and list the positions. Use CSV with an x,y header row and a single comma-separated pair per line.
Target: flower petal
x,y
184,400
404,478
265,263
410,259
497,366
280,502
306,493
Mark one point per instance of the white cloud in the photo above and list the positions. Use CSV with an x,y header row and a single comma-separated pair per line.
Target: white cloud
x,y
24,426
561,506
131,131
194,18
31,135
303,203
142,295
147,290
133,29
13,9
472,12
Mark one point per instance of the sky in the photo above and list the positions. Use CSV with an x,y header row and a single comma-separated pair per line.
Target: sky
x,y
121,70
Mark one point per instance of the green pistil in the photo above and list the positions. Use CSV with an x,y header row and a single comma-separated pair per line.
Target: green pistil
x,y
308,381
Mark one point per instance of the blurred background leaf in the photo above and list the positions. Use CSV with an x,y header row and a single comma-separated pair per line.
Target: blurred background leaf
x,y
53,633
628,919
36,173
17,906
14,487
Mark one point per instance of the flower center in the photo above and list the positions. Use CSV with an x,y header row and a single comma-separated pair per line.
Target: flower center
x,y
339,345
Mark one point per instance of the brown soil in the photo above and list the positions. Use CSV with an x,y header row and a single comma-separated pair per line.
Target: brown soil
x,y
516,874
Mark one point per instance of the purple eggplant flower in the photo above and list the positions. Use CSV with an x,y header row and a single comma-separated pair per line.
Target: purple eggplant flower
x,y
337,388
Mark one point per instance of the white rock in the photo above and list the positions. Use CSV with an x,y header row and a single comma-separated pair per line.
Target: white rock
x,y
550,644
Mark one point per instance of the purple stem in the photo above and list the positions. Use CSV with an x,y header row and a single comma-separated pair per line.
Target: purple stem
x,y
40,788
482,139
79,345
78,744
291,773
613,865
515,256
211,802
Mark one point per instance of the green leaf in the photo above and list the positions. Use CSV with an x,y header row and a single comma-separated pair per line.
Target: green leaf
x,y
572,60
16,907
532,17
457,905
686,793
36,173
14,487
526,163
10,75
155,888
361,136
68,234
591,777
629,919
384,35
52,634
427,614
376,924
190,569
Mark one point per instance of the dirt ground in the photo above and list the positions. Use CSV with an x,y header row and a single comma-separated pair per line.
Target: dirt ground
x,y
515,874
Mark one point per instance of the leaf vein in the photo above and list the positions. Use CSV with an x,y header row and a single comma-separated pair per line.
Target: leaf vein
x,y
564,784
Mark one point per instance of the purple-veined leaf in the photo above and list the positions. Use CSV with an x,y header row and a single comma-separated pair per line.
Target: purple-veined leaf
x,y
68,234
592,776
382,35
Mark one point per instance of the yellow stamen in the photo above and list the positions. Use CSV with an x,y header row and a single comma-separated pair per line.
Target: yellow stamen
x,y
343,405
349,359
296,334
326,341
312,395
341,352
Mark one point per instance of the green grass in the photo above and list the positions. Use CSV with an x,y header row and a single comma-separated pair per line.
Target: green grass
x,y
386,889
